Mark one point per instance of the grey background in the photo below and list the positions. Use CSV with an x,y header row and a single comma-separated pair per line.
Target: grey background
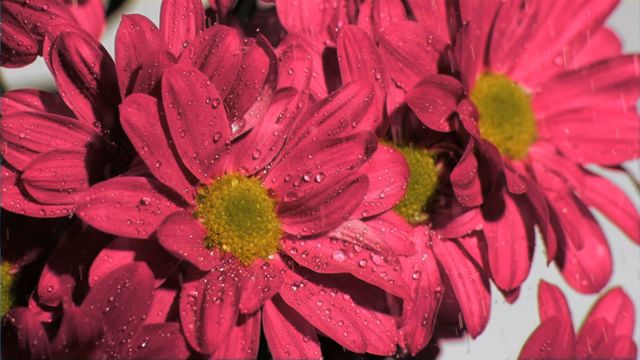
x,y
509,325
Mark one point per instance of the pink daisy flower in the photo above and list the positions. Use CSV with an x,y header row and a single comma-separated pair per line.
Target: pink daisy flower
x,y
228,205
544,99
26,25
606,333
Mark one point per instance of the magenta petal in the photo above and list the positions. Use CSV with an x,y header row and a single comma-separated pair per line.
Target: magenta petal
x,y
86,78
217,53
616,308
158,341
465,180
551,340
197,121
596,337
78,332
605,196
296,62
434,99
27,134
161,305
408,54
180,22
304,17
318,212
127,206
552,303
242,340
288,334
123,298
509,243
184,237
25,335
260,282
122,251
304,295
395,230
30,100
141,120
90,15
420,311
388,174
209,310
57,177
375,15
432,15
136,40
469,285
19,47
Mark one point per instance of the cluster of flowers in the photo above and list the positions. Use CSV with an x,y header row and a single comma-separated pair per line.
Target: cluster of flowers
x,y
347,171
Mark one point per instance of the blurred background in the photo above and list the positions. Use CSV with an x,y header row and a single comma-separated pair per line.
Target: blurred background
x,y
510,325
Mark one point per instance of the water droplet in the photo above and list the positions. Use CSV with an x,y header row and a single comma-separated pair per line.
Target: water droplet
x,y
338,256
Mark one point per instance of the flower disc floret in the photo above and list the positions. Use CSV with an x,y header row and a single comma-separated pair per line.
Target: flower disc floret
x,y
421,186
506,116
240,217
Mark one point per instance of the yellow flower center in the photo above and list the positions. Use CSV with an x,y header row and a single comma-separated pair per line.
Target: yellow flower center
x,y
506,116
6,288
240,217
422,184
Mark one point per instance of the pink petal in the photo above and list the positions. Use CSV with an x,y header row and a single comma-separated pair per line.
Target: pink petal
x,y
434,99
623,348
21,327
141,120
323,210
57,177
122,251
180,22
465,180
128,206
596,337
552,303
209,310
599,46
222,7
27,134
332,255
90,15
388,174
260,282
469,285
217,53
197,121
395,230
184,237
77,333
408,54
304,17
608,198
18,201
376,15
616,308
540,208
30,100
457,221
259,147
121,299
288,334
432,15
297,63
19,48
420,312
136,40
242,340
510,241
85,75
158,341
318,166
161,305
550,340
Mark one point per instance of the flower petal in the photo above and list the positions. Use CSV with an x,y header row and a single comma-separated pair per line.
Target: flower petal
x,y
434,99
141,120
551,340
388,174
90,15
180,22
86,77
197,121
24,335
288,334
247,332
137,38
158,341
208,310
616,308
304,17
260,282
465,180
57,177
19,48
552,303
128,206
122,251
395,229
469,284
184,237
33,100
